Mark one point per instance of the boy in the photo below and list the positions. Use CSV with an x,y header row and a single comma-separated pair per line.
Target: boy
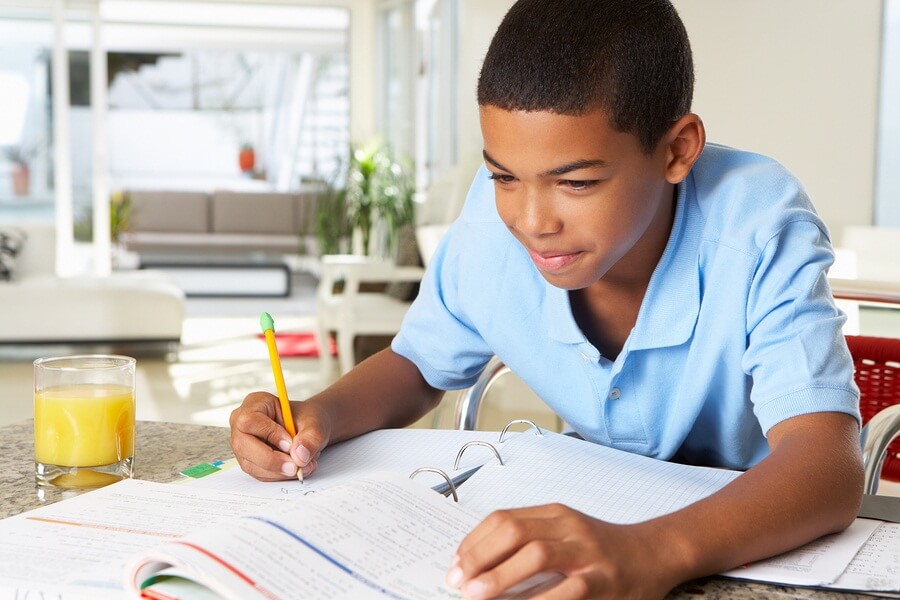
x,y
663,296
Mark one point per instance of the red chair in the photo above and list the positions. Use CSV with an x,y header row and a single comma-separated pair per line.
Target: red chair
x,y
877,373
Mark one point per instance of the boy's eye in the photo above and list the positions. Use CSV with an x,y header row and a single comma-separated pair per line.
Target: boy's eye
x,y
500,177
579,184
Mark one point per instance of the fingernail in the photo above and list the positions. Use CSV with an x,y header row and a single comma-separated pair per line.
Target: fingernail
x,y
455,560
474,589
289,469
301,455
454,577
285,446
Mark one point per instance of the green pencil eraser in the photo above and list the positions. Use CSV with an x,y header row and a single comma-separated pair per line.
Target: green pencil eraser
x,y
266,322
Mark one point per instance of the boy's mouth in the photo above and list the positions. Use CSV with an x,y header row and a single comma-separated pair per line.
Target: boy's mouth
x,y
553,260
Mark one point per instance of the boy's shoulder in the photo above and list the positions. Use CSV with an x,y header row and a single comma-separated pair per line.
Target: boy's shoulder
x,y
723,169
743,194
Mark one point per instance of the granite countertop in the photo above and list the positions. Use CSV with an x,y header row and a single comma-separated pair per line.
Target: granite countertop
x,y
162,450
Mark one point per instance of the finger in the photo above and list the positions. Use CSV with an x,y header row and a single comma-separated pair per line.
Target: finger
x,y
285,469
257,416
313,434
310,468
534,557
486,530
253,435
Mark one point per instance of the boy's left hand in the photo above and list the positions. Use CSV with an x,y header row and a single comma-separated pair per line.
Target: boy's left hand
x,y
598,559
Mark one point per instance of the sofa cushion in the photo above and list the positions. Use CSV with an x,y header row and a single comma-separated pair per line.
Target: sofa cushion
x,y
248,212
182,212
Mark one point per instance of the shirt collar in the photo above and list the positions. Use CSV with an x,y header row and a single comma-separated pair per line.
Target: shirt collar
x,y
672,301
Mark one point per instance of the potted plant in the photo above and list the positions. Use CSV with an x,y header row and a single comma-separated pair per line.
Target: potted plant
x,y
246,158
120,210
332,222
21,172
379,196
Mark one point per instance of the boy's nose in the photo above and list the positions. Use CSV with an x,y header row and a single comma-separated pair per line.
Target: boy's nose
x,y
536,216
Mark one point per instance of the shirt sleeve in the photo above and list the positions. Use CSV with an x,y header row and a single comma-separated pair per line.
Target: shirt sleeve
x,y
436,334
796,352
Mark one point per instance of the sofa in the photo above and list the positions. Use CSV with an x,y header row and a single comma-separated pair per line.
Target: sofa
x,y
222,223
39,307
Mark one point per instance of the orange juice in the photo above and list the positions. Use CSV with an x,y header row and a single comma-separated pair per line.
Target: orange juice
x,y
83,425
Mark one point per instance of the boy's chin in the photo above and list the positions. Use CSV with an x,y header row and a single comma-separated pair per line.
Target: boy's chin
x,y
568,282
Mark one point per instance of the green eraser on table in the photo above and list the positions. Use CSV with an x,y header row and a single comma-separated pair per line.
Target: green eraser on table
x,y
266,322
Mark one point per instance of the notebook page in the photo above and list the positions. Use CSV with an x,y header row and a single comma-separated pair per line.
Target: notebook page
x,y
620,487
396,450
605,483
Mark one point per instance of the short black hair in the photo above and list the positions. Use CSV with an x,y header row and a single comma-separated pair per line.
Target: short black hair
x,y
629,58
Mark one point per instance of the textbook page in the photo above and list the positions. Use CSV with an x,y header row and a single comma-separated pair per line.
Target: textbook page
x,y
818,563
80,545
381,536
877,565
396,450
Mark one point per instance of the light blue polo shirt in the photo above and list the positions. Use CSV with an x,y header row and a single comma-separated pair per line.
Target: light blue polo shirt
x,y
737,330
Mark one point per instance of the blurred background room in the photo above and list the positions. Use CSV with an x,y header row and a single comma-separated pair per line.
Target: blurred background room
x,y
170,169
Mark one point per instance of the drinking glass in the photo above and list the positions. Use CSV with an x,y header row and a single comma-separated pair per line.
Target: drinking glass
x,y
83,420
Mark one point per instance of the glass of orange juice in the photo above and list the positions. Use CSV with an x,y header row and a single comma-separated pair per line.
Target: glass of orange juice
x,y
83,420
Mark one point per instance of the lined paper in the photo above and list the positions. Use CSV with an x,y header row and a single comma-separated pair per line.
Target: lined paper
x,y
605,483
395,450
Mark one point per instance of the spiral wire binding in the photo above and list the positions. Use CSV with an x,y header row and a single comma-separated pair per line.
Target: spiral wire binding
x,y
525,421
440,472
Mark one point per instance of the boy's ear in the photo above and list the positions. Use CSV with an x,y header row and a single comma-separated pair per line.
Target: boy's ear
x,y
684,143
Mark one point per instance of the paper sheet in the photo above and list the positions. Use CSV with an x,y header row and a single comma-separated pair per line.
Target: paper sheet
x,y
608,484
396,450
818,563
877,565
626,488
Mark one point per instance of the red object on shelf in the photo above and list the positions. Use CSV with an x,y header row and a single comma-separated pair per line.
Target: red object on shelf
x,y
300,344
247,158
876,361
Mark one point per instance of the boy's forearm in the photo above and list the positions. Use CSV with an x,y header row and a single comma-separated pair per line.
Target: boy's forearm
x,y
810,485
385,390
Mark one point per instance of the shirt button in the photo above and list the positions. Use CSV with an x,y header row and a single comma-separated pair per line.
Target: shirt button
x,y
614,394
585,357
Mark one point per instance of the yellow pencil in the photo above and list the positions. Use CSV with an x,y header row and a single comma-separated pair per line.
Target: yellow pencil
x,y
268,327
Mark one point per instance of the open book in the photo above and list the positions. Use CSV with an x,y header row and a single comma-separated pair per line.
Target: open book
x,y
387,535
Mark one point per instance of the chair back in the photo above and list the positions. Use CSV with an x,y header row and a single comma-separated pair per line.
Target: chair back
x,y
876,362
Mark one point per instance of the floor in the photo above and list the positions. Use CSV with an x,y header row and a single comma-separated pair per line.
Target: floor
x,y
221,360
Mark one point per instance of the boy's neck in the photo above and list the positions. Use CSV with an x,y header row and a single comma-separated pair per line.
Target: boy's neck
x,y
607,310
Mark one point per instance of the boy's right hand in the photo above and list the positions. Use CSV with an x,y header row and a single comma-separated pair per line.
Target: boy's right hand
x,y
263,447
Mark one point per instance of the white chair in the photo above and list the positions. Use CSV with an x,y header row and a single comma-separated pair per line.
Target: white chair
x,y
350,312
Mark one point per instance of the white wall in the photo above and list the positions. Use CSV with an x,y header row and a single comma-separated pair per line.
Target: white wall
x,y
479,20
797,80
794,79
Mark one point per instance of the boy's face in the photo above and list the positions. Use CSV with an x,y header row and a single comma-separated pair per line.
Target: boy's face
x,y
582,198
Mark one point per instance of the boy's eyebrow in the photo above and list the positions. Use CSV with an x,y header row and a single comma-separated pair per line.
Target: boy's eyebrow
x,y
575,165
560,170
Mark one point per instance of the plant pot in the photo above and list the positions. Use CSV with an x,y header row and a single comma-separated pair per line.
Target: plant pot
x,y
21,179
247,159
